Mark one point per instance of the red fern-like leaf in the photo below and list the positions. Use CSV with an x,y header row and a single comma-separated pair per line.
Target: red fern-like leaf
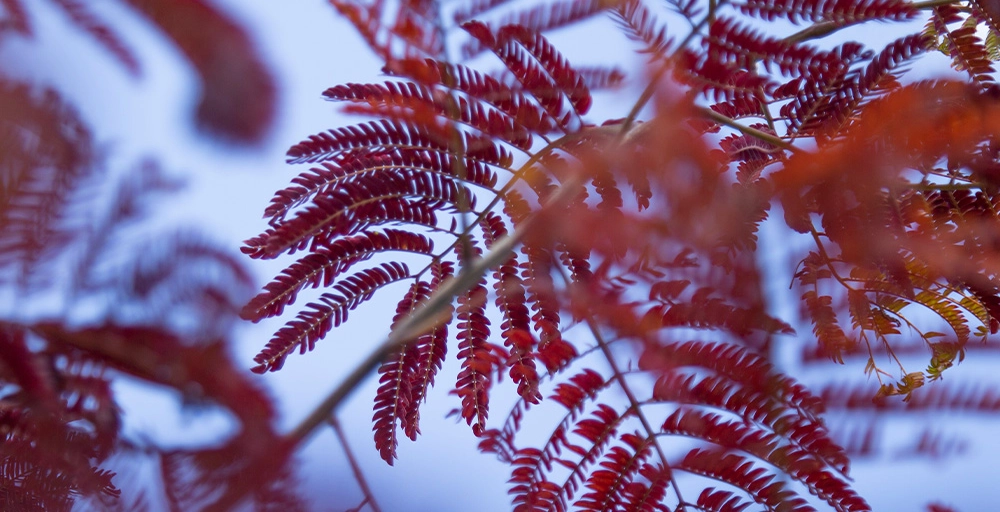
x,y
543,72
553,351
431,349
791,460
825,325
737,471
365,161
649,497
516,326
721,501
16,18
480,358
471,112
404,34
641,26
748,370
530,486
237,93
321,267
839,12
394,398
607,486
719,80
353,206
83,18
314,323
392,134
967,51
517,105
540,19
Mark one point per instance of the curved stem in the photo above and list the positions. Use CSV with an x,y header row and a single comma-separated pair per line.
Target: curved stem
x,y
825,28
746,130
428,316
355,467
634,403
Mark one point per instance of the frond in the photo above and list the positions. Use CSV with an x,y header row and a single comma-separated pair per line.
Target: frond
x,y
948,311
839,12
480,358
729,41
942,396
360,203
553,351
791,459
216,479
762,486
16,18
541,70
702,311
719,80
49,161
740,108
825,326
879,76
410,33
394,401
315,322
83,18
529,483
322,266
643,497
601,78
829,110
389,98
716,500
431,349
391,135
516,104
593,436
607,486
742,367
516,326
540,19
237,98
368,161
963,45
641,26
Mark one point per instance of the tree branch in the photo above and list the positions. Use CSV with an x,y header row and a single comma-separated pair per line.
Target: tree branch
x,y
355,467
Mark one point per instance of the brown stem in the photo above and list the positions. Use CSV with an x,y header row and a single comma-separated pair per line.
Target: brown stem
x,y
825,28
428,316
355,467
746,130
629,394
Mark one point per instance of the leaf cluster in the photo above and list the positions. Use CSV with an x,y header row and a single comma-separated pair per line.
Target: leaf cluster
x,y
643,234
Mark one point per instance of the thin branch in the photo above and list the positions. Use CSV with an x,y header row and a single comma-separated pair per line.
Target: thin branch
x,y
428,316
825,28
650,89
355,467
519,175
942,187
746,130
629,394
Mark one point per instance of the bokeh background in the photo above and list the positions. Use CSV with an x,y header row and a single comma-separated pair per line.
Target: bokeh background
x,y
308,48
